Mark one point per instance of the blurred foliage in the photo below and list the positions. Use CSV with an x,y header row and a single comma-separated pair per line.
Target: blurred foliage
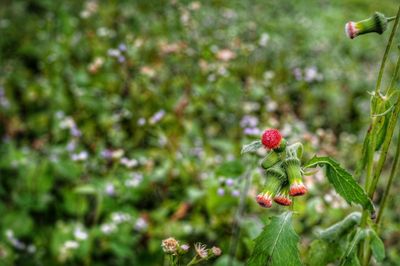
x,y
121,122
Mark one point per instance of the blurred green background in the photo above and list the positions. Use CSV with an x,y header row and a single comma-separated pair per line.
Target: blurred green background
x,y
121,122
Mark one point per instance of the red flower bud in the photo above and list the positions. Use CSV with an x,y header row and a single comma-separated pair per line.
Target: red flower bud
x,y
294,173
264,200
275,178
282,197
271,138
297,188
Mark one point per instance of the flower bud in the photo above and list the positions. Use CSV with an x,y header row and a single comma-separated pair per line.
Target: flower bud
x,y
216,251
270,160
376,23
275,178
184,248
294,173
271,138
282,197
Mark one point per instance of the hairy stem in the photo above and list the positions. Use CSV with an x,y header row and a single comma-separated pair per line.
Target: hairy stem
x,y
370,185
387,50
393,171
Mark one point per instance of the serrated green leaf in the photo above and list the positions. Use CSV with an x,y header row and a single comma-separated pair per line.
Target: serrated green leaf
x,y
377,246
254,146
277,244
343,182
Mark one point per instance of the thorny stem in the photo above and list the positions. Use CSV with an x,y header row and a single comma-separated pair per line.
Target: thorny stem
x,y
370,185
239,214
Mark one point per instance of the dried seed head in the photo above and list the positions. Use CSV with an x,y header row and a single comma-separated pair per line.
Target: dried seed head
x,y
170,245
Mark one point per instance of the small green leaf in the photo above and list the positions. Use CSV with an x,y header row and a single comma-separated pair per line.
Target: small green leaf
x,y
331,242
343,182
254,146
377,247
277,244
322,252
350,258
339,229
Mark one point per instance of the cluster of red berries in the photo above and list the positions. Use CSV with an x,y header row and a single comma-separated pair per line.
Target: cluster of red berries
x,y
283,171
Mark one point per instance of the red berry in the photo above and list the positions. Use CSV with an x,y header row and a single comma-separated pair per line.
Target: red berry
x,y
271,138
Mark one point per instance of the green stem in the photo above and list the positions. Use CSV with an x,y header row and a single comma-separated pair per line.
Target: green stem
x,y
391,18
193,261
370,185
387,50
394,77
389,183
383,203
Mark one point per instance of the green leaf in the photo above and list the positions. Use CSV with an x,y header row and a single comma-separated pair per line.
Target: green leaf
x,y
252,147
331,242
377,246
350,257
322,252
277,244
343,182
339,229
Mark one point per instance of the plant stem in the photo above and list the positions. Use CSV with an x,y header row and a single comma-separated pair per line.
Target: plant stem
x,y
239,214
387,50
394,77
383,204
370,185
193,261
389,183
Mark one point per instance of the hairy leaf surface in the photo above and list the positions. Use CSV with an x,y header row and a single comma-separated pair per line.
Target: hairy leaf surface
x,y
277,244
343,182
254,146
